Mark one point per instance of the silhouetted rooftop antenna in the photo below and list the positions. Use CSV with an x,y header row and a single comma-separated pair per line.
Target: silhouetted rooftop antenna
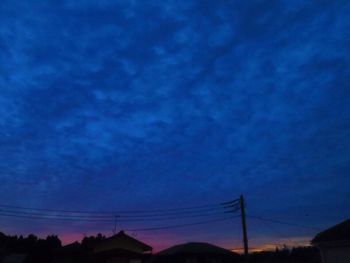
x,y
115,224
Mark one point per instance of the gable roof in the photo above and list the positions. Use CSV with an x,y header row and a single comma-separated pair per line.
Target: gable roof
x,y
339,232
123,238
195,248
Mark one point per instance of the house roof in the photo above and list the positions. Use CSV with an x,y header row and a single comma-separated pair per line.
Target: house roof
x,y
339,232
124,238
195,248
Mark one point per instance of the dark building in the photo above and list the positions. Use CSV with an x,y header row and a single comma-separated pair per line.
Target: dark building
x,y
195,252
334,243
120,248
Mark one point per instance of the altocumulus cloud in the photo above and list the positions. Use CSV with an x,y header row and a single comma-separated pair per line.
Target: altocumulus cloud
x,y
137,104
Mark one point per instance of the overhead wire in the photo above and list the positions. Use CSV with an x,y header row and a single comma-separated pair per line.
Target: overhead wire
x,y
282,222
31,213
52,215
148,211
194,213
181,225
104,219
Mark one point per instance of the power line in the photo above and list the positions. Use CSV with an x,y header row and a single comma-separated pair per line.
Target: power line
x,y
268,224
150,211
208,210
52,218
141,229
190,213
29,215
55,215
182,225
283,223
211,212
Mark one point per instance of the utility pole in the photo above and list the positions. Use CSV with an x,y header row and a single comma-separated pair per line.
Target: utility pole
x,y
244,227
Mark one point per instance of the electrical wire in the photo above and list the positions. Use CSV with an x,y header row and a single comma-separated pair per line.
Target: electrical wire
x,y
95,216
282,222
193,213
150,211
181,225
29,215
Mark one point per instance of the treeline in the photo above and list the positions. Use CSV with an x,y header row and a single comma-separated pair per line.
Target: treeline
x,y
36,249
39,250
287,255
91,241
24,245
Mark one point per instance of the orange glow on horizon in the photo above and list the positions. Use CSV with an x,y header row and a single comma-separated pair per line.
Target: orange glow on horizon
x,y
164,240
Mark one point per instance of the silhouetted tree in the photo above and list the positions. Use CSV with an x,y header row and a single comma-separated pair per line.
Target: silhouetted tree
x,y
38,250
285,255
89,242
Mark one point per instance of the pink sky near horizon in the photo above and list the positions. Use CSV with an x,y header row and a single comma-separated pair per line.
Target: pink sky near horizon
x,y
163,239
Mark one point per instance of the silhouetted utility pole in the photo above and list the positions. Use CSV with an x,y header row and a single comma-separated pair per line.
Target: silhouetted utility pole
x,y
244,227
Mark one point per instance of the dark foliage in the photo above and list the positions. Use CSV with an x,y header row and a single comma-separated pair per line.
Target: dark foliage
x,y
285,255
43,250
91,241
37,250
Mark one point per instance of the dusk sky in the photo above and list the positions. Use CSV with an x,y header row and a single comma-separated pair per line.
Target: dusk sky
x,y
137,105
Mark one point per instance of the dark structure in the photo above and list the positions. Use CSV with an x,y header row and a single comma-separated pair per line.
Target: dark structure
x,y
334,243
120,248
196,253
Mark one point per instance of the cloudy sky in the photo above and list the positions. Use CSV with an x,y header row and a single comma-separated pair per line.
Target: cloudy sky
x,y
127,105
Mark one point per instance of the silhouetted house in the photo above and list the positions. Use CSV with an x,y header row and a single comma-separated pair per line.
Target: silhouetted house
x,y
121,248
334,243
196,253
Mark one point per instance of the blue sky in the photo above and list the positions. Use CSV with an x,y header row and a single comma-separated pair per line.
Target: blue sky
x,y
110,105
